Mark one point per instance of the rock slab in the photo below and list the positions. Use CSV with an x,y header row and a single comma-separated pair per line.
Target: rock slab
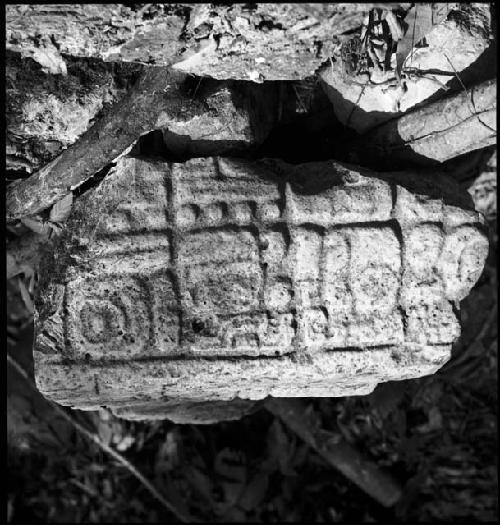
x,y
225,41
220,279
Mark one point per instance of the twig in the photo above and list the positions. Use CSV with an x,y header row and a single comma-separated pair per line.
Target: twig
x,y
472,108
356,104
339,454
413,35
471,100
180,515
299,98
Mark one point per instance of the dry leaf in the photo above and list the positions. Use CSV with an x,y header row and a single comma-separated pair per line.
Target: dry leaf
x,y
199,481
36,225
280,448
26,296
255,491
230,467
395,26
440,11
61,209
419,20
12,267
419,23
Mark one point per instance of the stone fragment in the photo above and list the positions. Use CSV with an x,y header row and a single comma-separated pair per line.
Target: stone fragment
x,y
477,173
216,118
148,33
225,41
484,189
365,100
47,113
265,41
219,279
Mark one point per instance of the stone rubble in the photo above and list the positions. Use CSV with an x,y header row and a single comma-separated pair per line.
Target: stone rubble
x,y
363,101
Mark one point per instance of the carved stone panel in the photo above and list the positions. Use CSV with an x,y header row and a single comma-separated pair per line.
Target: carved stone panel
x,y
224,278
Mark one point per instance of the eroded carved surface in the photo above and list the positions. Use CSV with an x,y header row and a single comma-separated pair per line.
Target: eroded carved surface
x,y
222,278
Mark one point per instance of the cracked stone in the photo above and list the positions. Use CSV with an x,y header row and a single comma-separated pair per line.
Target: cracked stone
x,y
47,113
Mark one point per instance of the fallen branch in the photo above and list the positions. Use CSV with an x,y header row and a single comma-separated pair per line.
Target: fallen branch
x,y
157,91
434,133
222,117
339,454
180,515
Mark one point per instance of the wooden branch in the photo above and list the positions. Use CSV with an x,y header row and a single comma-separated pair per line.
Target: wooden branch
x,y
180,515
434,133
339,454
156,92
220,115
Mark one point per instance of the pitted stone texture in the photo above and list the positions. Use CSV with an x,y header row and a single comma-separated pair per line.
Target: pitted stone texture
x,y
223,278
264,41
45,114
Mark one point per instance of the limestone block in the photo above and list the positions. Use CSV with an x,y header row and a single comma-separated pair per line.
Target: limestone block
x,y
224,41
209,118
451,48
437,132
221,279
47,32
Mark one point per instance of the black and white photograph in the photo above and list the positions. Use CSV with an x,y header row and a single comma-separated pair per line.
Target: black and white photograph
x,y
251,258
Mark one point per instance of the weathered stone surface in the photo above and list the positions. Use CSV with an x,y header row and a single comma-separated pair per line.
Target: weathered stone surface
x,y
369,98
222,278
435,133
439,131
211,120
143,33
483,190
47,113
266,41
239,41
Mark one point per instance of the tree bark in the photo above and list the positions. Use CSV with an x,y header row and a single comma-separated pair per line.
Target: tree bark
x,y
290,41
434,133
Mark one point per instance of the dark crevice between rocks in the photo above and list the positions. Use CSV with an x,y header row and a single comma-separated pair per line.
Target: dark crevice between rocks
x,y
16,174
93,181
173,147
298,133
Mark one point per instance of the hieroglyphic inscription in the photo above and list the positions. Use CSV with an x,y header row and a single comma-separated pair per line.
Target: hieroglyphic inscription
x,y
222,257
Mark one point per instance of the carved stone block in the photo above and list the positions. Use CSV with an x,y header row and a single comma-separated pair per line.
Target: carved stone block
x,y
219,279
